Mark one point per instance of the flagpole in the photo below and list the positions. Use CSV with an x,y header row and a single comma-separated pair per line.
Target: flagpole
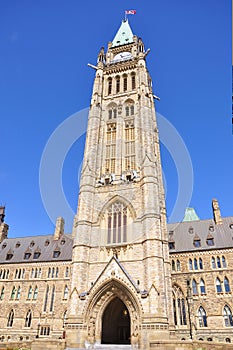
x,y
125,16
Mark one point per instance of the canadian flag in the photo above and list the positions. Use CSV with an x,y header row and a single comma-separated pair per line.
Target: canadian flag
x,y
130,12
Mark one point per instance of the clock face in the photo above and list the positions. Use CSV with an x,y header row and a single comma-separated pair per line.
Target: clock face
x,y
123,56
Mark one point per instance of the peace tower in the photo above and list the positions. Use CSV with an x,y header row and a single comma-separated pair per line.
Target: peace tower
x,y
121,279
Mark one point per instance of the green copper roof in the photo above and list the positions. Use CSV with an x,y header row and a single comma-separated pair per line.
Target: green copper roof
x,y
190,215
124,35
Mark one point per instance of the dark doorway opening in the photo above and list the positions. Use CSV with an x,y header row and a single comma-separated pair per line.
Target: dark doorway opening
x,y
116,324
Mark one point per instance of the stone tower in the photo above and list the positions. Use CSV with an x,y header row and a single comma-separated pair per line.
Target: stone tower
x,y
121,282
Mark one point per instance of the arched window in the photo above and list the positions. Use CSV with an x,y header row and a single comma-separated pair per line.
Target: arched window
x,y
202,286
2,293
32,273
200,264
7,274
46,298
28,319
117,84
227,285
66,290
112,113
53,272
10,319
57,270
16,273
125,85
218,262
218,286
224,264
190,264
179,306
30,292
178,265
227,316
23,273
35,293
213,263
36,273
49,272
110,161
173,266
18,293
109,86
195,264
133,81
129,145
64,318
13,293
202,317
52,299
117,223
194,287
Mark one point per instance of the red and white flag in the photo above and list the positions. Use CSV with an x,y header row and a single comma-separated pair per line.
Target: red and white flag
x,y
130,12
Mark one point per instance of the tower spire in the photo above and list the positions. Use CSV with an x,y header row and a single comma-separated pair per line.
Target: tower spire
x,y
124,34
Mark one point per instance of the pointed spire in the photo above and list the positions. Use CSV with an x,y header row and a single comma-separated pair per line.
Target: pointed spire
x,y
190,215
124,35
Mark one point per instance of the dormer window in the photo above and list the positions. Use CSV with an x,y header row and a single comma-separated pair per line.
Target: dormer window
x,y
17,245
210,241
56,253
171,245
27,256
36,255
197,243
9,256
46,243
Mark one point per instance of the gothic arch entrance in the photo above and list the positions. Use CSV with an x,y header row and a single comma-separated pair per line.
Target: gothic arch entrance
x,y
116,323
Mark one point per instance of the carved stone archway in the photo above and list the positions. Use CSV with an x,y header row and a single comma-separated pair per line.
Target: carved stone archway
x,y
100,299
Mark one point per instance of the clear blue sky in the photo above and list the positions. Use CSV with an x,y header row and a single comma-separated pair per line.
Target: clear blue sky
x,y
45,47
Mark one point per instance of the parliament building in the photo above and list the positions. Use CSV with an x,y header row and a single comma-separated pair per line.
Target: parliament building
x,y
123,277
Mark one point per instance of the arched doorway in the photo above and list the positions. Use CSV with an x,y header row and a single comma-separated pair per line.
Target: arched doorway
x,y
116,323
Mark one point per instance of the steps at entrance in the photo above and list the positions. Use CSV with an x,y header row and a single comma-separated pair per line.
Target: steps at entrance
x,y
104,347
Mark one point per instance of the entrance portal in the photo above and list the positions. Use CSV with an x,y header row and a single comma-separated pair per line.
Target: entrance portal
x,y
116,324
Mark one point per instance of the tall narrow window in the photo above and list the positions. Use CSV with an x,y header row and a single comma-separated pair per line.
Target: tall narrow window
x,y
200,264
173,266
52,299
179,307
18,293
202,286
49,272
194,287
178,265
35,293
117,223
30,292
57,270
109,86
218,262
227,316
65,295
110,161
46,298
195,264
28,319
64,318
13,293
67,272
226,285
133,81
117,84
213,263
125,82
2,293
129,145
10,319
202,317
224,264
218,286
190,264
